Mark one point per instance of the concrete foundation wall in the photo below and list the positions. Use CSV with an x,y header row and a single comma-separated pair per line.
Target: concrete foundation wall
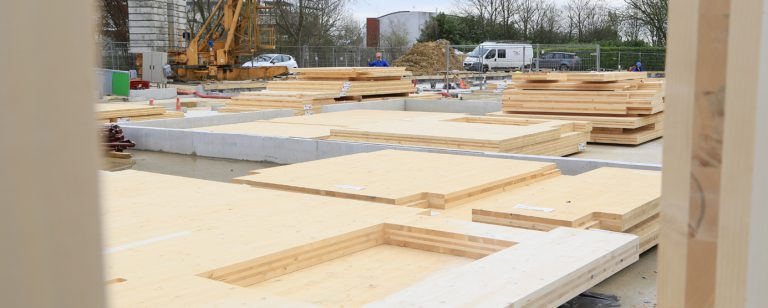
x,y
173,136
473,107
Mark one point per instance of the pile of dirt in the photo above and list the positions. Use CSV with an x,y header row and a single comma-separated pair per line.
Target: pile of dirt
x,y
429,58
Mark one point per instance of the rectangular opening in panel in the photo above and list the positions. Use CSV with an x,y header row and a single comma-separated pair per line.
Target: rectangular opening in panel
x,y
358,267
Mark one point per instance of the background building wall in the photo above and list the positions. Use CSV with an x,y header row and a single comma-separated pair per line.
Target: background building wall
x,y
156,25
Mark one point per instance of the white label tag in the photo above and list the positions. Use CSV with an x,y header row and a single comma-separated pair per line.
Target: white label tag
x,y
353,187
534,208
582,147
307,107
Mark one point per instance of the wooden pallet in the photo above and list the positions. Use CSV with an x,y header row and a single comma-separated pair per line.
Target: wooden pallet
x,y
606,198
231,244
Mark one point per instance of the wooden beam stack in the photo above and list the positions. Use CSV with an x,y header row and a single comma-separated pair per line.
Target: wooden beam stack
x,y
315,87
111,112
624,107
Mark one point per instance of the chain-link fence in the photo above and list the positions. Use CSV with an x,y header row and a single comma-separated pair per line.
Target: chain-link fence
x,y
116,56
338,56
485,57
623,60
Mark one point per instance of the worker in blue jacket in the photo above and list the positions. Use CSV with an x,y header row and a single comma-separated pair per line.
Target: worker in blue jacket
x,y
379,62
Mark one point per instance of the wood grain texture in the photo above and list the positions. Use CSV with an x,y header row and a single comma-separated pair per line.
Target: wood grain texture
x,y
435,180
181,241
742,252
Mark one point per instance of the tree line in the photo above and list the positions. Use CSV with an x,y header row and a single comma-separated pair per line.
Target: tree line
x,y
330,23
635,23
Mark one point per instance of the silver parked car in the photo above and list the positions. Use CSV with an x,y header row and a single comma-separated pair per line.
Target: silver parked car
x,y
564,61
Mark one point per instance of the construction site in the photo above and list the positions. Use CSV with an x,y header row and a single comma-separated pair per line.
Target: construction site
x,y
197,158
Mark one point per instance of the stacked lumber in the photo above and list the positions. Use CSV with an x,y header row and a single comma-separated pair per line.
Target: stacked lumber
x,y
258,247
349,83
315,87
434,180
625,107
300,102
520,136
520,194
112,112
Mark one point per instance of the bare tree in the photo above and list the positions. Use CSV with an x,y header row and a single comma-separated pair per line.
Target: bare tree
x,y
653,13
197,12
310,22
114,20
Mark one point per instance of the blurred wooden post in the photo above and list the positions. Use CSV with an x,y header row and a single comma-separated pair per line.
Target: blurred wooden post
x,y
712,250
49,217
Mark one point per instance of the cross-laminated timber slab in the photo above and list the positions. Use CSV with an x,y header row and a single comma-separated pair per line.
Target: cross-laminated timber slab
x,y
182,242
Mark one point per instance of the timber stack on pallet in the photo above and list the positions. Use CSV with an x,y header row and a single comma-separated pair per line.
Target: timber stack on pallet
x,y
624,107
428,129
301,102
112,112
316,87
506,192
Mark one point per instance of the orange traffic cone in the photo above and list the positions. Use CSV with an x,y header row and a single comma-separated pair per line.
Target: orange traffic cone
x,y
462,85
178,104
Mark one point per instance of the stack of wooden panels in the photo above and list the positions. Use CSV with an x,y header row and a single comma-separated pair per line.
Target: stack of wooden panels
x,y
521,194
350,83
434,180
427,129
316,87
301,102
352,73
612,199
625,107
346,89
112,112
228,245
520,136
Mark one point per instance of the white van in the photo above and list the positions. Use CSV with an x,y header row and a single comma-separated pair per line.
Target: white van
x,y
499,57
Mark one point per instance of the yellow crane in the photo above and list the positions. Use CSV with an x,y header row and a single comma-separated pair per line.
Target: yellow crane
x,y
235,30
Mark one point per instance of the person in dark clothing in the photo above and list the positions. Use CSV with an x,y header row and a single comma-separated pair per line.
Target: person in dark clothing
x,y
638,67
379,62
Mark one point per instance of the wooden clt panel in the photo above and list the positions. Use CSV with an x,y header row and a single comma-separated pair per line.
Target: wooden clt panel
x,y
402,178
186,242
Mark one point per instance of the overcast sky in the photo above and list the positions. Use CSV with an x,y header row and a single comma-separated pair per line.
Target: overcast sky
x,y
363,9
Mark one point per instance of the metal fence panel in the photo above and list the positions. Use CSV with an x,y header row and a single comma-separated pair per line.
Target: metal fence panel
x,y
582,57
